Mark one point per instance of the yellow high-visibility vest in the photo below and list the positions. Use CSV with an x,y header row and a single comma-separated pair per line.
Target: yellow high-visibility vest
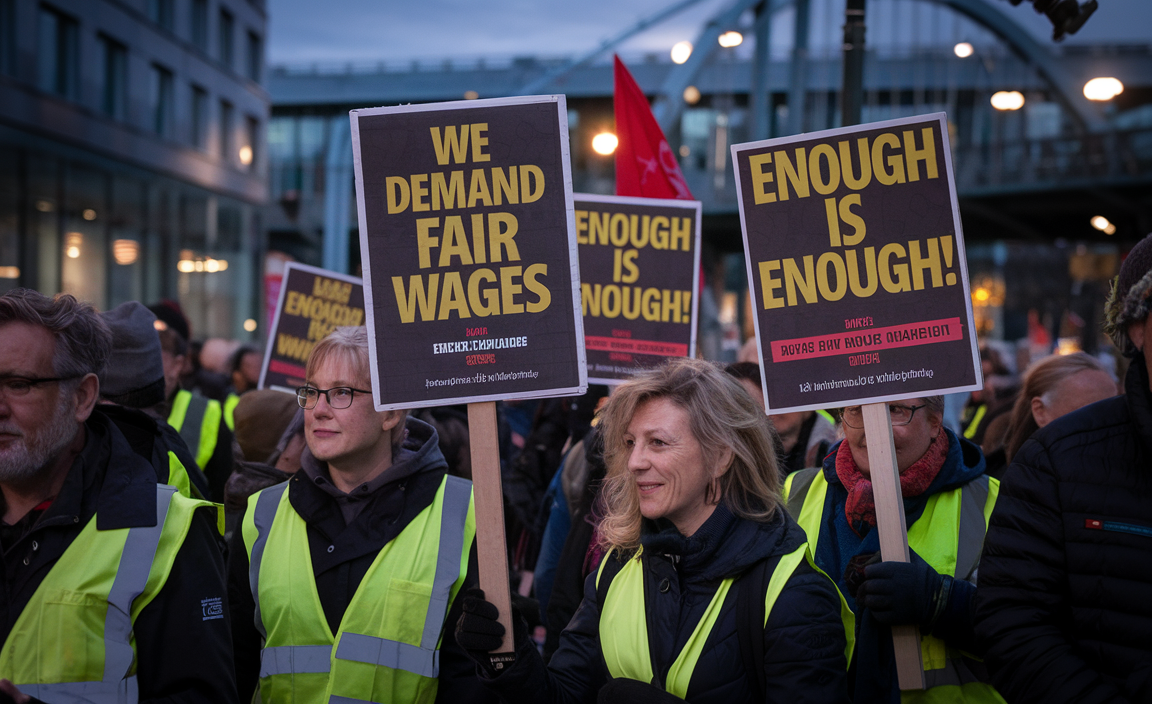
x,y
197,419
949,536
624,625
73,641
387,648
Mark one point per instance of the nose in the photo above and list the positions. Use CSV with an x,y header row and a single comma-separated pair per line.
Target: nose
x,y
322,409
637,458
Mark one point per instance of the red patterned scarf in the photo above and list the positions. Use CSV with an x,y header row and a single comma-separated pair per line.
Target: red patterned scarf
x,y
860,507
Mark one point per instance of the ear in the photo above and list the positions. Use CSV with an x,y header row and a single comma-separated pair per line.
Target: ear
x,y
725,462
1136,334
389,419
86,395
1040,412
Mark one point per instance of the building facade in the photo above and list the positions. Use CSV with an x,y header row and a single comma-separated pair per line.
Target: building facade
x,y
132,158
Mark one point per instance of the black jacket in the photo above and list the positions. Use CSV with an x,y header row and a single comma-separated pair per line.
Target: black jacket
x,y
803,641
342,553
1064,603
153,440
181,657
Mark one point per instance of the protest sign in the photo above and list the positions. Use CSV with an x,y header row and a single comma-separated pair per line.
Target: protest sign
x,y
469,250
312,302
639,267
857,267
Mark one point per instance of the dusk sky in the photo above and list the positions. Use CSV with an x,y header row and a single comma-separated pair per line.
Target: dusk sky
x,y
304,31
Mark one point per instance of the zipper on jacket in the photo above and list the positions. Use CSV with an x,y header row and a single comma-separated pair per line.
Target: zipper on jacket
x,y
1115,527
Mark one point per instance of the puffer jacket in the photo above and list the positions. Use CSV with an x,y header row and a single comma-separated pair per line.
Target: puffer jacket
x,y
1065,597
804,642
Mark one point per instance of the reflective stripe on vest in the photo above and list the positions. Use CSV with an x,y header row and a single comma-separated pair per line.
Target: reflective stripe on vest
x,y
826,416
417,665
961,515
970,431
624,627
230,404
46,647
197,419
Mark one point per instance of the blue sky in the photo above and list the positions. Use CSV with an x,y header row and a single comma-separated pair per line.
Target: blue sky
x,y
305,31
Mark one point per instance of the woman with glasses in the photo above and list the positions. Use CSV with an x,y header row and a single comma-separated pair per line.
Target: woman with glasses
x,y
341,579
947,501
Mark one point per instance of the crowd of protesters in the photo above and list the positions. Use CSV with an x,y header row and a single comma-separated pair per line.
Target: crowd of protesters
x,y
173,533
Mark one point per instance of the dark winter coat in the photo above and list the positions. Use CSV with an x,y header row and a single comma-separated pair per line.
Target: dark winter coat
x,y
343,552
1065,598
803,641
180,655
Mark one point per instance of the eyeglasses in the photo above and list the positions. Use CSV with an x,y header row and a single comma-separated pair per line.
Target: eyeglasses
x,y
338,397
901,415
17,386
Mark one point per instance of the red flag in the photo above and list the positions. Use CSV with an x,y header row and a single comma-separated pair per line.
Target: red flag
x,y
645,164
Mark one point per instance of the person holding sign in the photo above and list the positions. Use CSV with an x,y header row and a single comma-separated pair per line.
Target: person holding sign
x,y
343,576
947,501
708,592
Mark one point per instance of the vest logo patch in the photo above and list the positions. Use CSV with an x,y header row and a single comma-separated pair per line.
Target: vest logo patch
x,y
212,608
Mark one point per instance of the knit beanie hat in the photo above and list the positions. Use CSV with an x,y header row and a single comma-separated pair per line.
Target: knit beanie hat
x,y
1131,297
169,313
134,376
261,417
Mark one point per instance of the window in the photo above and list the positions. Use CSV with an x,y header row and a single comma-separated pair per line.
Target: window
x,y
7,37
252,136
226,32
255,56
226,152
199,117
160,12
200,24
114,98
160,107
59,53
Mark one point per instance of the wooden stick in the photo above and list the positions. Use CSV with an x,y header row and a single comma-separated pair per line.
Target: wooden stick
x,y
490,545
885,475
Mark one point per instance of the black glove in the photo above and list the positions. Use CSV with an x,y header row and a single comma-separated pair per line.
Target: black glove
x,y
625,691
904,593
479,632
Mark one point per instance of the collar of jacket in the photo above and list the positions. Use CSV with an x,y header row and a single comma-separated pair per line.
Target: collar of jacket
x,y
107,478
1139,399
725,545
417,476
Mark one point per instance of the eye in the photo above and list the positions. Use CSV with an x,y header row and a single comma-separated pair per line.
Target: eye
x,y
658,442
18,386
342,394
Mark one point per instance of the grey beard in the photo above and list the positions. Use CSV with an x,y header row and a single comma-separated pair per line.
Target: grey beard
x,y
21,462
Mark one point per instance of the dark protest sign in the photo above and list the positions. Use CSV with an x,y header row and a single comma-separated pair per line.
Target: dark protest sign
x,y
312,302
639,264
469,251
857,267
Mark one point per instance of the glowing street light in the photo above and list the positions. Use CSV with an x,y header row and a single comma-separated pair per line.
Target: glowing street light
x,y
963,50
1102,224
730,39
605,143
691,95
250,325
1008,100
1103,88
246,155
681,51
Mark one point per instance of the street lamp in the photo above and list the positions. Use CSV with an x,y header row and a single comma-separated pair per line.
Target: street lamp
x,y
963,50
1008,100
691,95
681,51
730,39
1103,88
605,143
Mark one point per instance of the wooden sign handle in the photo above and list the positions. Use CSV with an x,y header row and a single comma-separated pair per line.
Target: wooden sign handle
x,y
893,531
490,545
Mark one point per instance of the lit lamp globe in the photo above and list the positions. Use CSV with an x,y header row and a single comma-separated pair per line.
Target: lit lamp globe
x,y
1008,100
1103,89
730,39
681,51
963,50
605,143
